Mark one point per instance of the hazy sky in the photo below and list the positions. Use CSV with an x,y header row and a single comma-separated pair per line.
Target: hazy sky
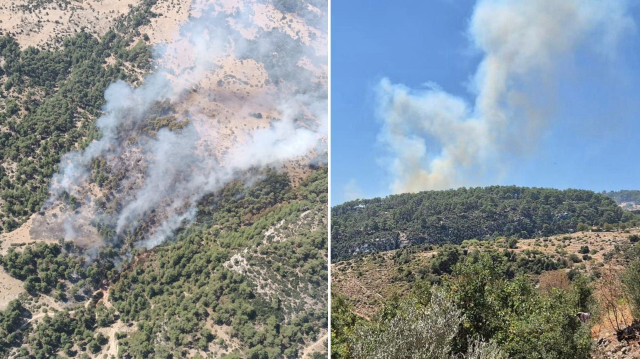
x,y
585,99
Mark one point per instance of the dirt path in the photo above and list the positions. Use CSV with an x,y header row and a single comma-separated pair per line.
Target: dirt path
x,y
316,347
111,349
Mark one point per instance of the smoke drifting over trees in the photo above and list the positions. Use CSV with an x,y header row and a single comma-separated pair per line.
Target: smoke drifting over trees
x,y
438,140
155,177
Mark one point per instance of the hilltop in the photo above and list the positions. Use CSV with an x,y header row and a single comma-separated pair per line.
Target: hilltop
x,y
438,217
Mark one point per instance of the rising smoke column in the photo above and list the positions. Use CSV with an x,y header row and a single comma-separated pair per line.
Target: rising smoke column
x,y
437,140
167,172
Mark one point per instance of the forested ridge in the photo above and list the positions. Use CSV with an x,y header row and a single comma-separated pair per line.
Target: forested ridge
x,y
452,216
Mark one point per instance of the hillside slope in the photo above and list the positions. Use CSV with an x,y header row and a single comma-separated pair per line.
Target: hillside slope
x,y
191,218
437,217
535,286
627,199
497,272
248,279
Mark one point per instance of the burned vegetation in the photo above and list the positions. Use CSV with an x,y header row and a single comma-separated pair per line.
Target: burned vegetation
x,y
153,213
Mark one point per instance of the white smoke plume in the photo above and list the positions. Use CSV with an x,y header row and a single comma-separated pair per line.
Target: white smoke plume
x,y
164,173
438,140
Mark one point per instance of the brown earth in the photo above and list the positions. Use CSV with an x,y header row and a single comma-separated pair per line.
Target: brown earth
x,y
316,347
47,25
10,289
369,281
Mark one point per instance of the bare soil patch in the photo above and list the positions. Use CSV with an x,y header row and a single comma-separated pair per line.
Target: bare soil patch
x,y
46,25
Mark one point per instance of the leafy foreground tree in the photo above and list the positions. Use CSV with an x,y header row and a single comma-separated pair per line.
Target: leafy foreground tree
x,y
631,281
343,322
418,332
524,321
479,311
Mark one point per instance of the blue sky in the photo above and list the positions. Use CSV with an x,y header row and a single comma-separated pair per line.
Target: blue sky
x,y
591,133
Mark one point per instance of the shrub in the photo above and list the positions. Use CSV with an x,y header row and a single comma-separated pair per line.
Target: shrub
x,y
415,332
631,281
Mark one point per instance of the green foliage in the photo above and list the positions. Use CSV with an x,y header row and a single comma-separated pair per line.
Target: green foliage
x,y
631,280
416,330
413,332
437,217
481,311
63,330
343,322
173,295
583,227
524,322
194,272
12,321
42,266
574,258
447,256
445,259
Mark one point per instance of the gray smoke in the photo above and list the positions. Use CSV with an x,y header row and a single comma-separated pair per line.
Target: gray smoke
x,y
164,173
437,140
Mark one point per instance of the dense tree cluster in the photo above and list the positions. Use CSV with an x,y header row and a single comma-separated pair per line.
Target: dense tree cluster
x,y
452,216
69,331
194,272
43,267
267,291
12,321
172,297
526,262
